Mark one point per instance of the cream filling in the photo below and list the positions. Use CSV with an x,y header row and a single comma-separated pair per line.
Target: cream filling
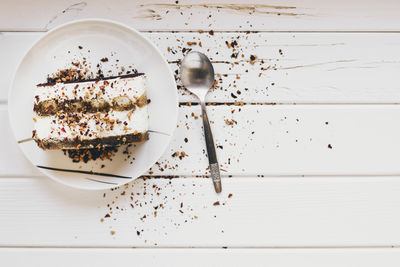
x,y
132,87
52,127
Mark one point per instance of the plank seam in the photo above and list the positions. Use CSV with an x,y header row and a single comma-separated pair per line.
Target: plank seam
x,y
5,30
234,176
208,247
4,104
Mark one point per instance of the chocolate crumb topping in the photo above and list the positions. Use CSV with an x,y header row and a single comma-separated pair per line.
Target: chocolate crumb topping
x,y
84,155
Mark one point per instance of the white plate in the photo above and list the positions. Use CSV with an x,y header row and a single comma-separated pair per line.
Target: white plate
x,y
104,39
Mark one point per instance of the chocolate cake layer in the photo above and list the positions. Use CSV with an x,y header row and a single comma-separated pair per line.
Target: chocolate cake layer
x,y
50,143
121,103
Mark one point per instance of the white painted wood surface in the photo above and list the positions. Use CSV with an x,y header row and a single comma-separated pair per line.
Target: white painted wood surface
x,y
270,140
325,61
201,257
313,67
283,15
262,212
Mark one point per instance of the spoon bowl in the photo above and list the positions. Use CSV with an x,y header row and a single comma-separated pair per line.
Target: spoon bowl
x,y
197,74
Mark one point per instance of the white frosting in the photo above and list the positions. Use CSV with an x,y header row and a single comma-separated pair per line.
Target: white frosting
x,y
132,87
53,127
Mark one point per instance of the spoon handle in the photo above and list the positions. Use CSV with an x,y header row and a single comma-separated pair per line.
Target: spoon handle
x,y
212,155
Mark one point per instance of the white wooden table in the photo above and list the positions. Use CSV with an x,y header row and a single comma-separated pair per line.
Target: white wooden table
x,y
310,165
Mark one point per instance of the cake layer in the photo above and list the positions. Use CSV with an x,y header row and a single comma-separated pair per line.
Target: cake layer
x,y
51,143
119,103
107,89
91,125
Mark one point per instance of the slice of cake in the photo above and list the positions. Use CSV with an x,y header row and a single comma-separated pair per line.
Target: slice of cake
x,y
91,114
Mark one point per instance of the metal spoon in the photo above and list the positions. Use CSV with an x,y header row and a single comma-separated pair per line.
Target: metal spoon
x,y
197,75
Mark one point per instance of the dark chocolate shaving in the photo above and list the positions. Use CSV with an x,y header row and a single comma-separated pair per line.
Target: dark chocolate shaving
x,y
51,83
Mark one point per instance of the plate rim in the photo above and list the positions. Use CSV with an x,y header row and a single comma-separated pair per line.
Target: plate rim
x,y
95,20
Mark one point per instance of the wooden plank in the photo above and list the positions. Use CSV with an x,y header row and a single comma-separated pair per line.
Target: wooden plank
x,y
285,15
273,212
14,47
269,140
61,257
12,160
290,68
